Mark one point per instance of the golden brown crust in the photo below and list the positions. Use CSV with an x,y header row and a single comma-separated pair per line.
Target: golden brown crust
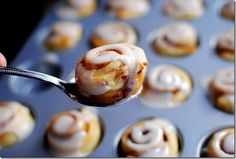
x,y
89,142
175,50
169,140
215,144
225,53
218,96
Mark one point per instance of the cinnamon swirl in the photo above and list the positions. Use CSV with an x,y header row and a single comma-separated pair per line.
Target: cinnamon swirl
x,y
109,73
16,123
128,9
176,39
73,133
150,138
184,10
63,35
221,144
225,45
221,88
114,32
166,86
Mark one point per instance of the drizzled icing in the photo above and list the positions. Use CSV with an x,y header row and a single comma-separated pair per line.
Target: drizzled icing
x,y
224,80
179,9
130,55
139,6
65,29
15,118
162,82
147,139
179,33
67,131
222,143
226,40
114,32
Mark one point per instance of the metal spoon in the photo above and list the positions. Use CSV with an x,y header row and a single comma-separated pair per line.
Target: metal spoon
x,y
69,88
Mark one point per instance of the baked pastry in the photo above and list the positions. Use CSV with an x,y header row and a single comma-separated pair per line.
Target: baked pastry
x,y
109,73
221,89
221,144
150,138
166,86
176,39
63,35
114,32
73,133
227,11
77,8
225,45
16,123
128,9
185,10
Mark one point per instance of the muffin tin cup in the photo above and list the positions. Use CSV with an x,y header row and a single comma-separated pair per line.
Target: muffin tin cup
x,y
193,118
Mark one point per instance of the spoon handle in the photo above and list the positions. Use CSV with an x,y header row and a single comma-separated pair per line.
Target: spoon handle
x,y
34,75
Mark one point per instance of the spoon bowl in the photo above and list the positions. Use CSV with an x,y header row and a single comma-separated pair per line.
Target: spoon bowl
x,y
69,88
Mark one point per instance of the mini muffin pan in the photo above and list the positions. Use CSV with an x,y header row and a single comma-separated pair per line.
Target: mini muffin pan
x,y
194,118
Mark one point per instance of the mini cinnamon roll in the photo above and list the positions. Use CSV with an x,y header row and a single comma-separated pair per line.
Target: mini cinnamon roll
x,y
166,86
227,11
185,10
77,8
150,138
221,89
63,35
109,73
114,32
176,39
225,45
73,133
128,9
221,144
16,123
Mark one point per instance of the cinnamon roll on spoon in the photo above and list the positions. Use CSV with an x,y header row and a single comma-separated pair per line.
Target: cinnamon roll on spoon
x,y
110,73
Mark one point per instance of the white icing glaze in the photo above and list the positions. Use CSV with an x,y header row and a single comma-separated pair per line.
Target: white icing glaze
x,y
63,124
74,141
224,79
161,151
180,8
139,6
222,143
131,55
15,118
148,139
75,120
165,78
228,143
65,29
226,39
177,33
114,32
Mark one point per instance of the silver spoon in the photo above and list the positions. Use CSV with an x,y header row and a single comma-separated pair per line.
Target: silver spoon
x,y
69,88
